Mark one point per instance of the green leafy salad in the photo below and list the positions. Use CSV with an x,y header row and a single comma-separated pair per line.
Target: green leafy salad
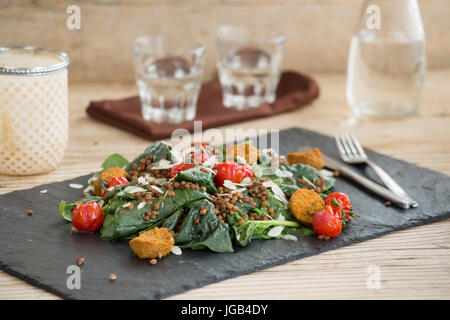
x,y
203,197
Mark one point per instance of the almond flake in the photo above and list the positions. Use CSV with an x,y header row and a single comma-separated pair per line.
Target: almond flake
x,y
141,205
278,193
289,237
229,185
156,188
240,160
283,173
326,172
76,186
176,250
163,164
133,189
43,191
275,231
210,162
245,182
86,191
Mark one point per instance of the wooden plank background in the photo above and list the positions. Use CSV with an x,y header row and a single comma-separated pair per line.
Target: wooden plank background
x,y
318,31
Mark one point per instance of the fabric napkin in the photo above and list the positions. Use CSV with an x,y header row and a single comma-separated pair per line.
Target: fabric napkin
x,y
294,91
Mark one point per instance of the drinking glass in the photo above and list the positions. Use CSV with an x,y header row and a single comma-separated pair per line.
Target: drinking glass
x,y
168,73
249,64
387,62
34,113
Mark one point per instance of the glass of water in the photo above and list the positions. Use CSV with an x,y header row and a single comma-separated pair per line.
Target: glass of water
x,y
387,61
249,63
168,73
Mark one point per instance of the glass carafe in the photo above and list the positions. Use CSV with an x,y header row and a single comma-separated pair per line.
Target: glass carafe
x,y
387,60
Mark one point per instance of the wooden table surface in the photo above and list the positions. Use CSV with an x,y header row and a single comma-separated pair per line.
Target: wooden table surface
x,y
414,263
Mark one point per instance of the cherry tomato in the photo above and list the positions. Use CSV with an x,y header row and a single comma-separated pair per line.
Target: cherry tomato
x,y
180,167
114,181
229,170
343,200
198,157
326,223
87,217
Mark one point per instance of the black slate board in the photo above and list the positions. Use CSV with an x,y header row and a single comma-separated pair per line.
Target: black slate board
x,y
39,248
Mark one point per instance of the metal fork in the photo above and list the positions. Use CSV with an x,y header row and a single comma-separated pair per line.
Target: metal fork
x,y
351,151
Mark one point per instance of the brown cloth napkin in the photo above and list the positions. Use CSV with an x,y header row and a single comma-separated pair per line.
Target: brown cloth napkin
x,y
294,90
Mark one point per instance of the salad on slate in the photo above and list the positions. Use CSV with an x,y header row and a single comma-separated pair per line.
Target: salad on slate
x,y
205,197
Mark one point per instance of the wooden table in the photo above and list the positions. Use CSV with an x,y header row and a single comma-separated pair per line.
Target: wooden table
x,y
414,263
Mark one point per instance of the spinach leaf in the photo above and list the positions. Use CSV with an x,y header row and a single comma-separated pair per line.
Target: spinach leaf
x,y
130,222
158,151
300,231
252,230
303,170
197,176
172,220
114,160
115,203
209,232
288,188
65,210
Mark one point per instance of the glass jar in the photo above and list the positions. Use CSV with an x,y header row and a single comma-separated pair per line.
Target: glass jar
x,y
34,115
387,60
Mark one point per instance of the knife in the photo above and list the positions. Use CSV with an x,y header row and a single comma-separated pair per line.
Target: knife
x,y
345,171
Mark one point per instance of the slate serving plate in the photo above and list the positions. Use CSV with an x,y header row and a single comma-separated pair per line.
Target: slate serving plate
x,y
39,248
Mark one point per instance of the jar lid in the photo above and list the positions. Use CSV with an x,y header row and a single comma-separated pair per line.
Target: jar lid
x,y
17,60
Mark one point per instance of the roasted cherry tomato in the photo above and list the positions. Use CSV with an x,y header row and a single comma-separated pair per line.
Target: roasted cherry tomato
x,y
87,217
114,181
229,170
198,157
326,223
343,201
180,167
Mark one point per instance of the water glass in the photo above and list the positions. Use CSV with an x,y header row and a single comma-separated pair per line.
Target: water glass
x,y
168,73
387,61
249,64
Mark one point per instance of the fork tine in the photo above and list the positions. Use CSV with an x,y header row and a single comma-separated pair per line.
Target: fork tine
x,y
339,145
357,145
346,147
350,144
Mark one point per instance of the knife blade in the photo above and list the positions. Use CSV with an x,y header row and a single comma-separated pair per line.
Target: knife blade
x,y
345,171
